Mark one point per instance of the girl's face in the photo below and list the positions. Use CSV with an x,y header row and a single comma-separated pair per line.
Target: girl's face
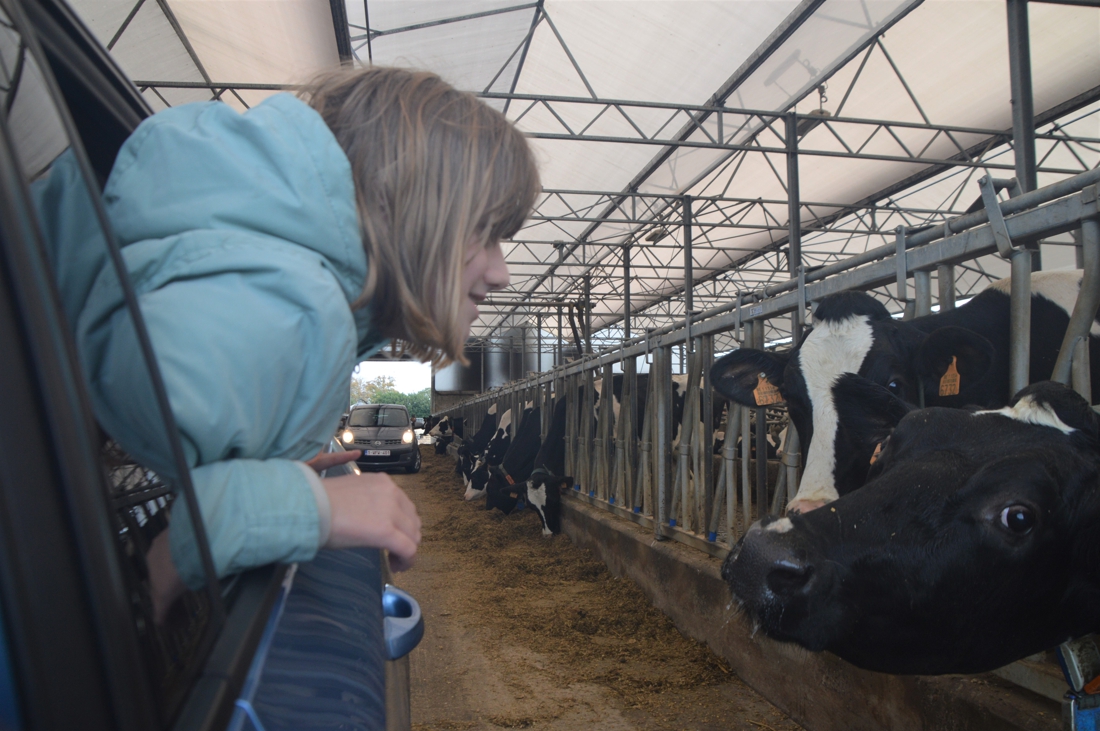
x,y
484,272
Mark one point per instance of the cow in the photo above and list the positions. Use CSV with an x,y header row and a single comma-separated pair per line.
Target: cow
x,y
505,480
469,452
889,366
547,481
445,431
973,544
498,445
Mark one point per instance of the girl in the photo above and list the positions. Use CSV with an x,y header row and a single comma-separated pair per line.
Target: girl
x,y
271,251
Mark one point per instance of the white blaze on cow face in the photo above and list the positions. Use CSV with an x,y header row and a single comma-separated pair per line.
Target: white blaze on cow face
x,y
832,349
505,421
1029,411
492,410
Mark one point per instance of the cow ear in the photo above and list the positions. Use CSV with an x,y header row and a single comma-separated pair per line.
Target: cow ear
x,y
737,375
972,355
1069,406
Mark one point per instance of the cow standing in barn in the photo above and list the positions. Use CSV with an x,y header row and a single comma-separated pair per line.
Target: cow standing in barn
x,y
478,476
858,370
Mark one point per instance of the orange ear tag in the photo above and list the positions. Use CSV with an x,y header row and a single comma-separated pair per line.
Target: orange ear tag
x,y
765,393
878,451
949,384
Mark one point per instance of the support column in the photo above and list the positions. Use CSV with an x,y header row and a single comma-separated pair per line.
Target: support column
x,y
945,279
1023,107
689,269
626,292
587,313
794,216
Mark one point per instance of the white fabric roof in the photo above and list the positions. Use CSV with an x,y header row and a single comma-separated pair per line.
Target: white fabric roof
x,y
944,62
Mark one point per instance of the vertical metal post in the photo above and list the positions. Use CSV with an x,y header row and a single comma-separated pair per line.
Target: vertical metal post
x,y
794,216
1019,357
629,410
761,437
705,348
1082,372
689,271
585,447
626,292
792,460
945,280
922,286
588,313
662,372
746,443
538,343
559,360
729,457
1088,300
1023,108
903,273
570,387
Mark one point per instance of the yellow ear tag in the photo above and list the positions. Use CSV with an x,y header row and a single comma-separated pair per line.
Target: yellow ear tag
x,y
765,393
878,451
949,384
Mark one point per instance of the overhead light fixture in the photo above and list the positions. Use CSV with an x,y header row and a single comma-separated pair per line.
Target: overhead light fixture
x,y
658,233
815,116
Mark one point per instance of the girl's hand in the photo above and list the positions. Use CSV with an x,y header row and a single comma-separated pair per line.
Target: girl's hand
x,y
371,510
325,460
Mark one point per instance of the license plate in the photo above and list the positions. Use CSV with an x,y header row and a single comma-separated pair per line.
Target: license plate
x,y
378,453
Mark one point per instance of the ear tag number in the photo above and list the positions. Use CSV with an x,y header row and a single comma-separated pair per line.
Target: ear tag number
x,y
765,393
949,383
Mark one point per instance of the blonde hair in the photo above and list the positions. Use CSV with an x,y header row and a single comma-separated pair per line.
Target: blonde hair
x,y
436,171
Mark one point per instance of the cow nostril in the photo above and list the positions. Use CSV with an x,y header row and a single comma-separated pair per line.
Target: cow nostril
x,y
787,578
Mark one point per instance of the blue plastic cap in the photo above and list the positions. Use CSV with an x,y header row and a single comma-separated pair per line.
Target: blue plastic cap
x,y
403,624
712,537
672,522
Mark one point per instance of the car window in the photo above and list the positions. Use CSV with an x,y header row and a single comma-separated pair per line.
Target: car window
x,y
378,416
141,493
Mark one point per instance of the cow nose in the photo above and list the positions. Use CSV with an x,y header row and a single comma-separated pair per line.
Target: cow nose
x,y
789,576
767,566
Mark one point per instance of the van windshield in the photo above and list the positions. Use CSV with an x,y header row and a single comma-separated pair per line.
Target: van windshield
x,y
379,416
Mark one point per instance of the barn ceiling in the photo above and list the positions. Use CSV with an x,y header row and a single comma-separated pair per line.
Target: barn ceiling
x,y
646,115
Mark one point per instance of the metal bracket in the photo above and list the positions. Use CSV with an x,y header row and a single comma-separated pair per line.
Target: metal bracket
x,y
996,218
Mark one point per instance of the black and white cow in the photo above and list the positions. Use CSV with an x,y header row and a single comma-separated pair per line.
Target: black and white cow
x,y
478,477
973,544
547,481
886,364
443,434
506,479
473,448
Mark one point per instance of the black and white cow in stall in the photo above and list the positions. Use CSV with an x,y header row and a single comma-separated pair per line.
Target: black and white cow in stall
x,y
505,479
886,365
494,452
473,448
973,544
547,481
444,431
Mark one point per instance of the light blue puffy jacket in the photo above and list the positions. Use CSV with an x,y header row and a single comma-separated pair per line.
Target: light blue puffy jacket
x,y
241,237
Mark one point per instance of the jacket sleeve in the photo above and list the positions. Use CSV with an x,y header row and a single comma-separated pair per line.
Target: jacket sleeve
x,y
254,341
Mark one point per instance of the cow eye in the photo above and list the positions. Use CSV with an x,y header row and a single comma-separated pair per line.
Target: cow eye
x,y
894,386
1018,519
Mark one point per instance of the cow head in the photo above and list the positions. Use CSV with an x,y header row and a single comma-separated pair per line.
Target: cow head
x,y
502,495
544,496
877,361
972,545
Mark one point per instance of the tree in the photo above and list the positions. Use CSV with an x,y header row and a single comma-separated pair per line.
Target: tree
x,y
365,391
418,404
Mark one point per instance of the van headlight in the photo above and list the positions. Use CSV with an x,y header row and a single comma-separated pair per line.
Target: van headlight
x,y
407,437
347,437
